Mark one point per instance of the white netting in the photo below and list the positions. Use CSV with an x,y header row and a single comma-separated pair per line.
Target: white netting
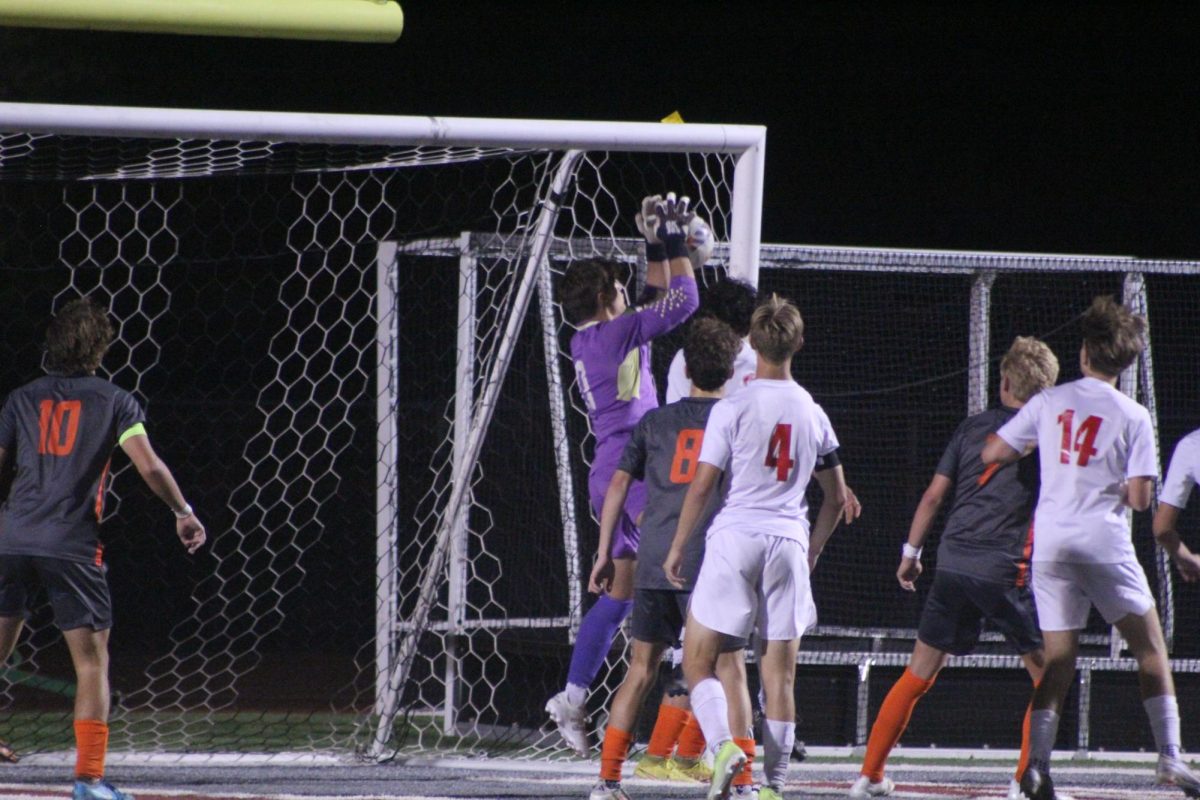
x,y
312,337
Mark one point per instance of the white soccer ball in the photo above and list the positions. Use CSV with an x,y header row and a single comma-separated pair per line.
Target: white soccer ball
x,y
699,242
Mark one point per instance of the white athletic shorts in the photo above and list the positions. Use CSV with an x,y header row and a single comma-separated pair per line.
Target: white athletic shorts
x,y
754,582
1064,593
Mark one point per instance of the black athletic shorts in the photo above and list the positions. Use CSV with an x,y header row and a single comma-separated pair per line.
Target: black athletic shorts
x,y
958,604
78,592
659,615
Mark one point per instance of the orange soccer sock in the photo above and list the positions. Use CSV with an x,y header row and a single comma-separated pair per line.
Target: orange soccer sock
x,y
1023,761
893,718
667,728
743,778
613,753
691,740
91,743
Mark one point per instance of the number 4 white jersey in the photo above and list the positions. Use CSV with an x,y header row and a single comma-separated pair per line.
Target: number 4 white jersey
x,y
768,436
1091,439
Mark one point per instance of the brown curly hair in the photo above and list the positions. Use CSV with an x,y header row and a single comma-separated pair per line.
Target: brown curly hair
x,y
78,337
1112,335
709,352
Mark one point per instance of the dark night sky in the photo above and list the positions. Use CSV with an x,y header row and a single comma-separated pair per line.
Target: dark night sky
x,y
1067,127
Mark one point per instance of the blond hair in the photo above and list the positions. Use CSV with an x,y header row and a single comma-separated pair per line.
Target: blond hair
x,y
1030,366
776,329
1112,335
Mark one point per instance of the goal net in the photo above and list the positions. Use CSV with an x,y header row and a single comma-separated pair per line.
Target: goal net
x,y
344,334
367,407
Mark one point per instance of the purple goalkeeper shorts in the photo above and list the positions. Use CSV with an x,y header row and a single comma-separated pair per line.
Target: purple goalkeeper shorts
x,y
626,534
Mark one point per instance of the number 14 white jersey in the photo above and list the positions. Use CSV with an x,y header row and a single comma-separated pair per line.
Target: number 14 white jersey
x,y
768,437
1091,439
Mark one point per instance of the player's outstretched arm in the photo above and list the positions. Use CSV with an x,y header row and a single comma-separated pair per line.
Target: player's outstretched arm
x,y
910,555
1166,533
837,504
658,271
694,503
614,501
160,480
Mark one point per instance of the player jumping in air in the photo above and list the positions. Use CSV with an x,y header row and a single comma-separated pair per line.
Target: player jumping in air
x,y
61,430
982,564
1097,453
612,363
771,437
663,453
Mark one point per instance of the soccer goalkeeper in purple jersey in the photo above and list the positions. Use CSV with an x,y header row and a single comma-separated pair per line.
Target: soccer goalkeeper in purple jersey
x,y
612,363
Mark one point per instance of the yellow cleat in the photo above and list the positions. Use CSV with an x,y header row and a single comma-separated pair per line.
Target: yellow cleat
x,y
687,769
655,767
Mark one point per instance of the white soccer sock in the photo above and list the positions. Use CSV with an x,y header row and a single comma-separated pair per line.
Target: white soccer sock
x,y
576,695
778,739
1163,712
712,710
1043,730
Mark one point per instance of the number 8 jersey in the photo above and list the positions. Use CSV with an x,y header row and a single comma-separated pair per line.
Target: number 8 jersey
x,y
768,437
60,432
1090,439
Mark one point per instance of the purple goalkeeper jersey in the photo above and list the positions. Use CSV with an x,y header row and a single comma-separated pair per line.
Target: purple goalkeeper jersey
x,y
612,362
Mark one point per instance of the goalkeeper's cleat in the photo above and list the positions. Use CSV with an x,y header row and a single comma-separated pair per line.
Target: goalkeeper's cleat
x,y
770,793
571,721
745,793
1036,784
1175,772
98,790
7,754
728,762
864,787
656,768
690,769
608,790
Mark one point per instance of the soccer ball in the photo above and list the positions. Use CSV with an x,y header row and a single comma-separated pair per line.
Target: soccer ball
x,y
699,242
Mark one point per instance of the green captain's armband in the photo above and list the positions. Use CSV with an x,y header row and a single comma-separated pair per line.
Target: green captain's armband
x,y
136,430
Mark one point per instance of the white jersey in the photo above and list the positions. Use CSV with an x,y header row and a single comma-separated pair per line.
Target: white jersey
x,y
768,436
744,367
1183,472
1090,439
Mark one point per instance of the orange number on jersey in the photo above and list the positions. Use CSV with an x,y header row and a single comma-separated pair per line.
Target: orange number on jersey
x,y
55,438
1081,442
687,453
779,451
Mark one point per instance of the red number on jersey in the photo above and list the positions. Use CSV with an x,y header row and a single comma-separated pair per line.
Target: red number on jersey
x,y
779,451
53,439
1081,441
687,453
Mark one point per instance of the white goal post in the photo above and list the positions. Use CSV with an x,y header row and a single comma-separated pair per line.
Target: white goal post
x,y
566,192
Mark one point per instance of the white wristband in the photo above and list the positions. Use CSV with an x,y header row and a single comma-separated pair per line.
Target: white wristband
x,y
908,551
185,513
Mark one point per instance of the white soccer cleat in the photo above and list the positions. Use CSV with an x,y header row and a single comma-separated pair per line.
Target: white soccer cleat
x,y
608,790
863,787
571,721
1175,772
1014,790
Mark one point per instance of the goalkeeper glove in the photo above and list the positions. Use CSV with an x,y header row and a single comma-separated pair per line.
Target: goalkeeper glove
x,y
673,220
646,221
699,241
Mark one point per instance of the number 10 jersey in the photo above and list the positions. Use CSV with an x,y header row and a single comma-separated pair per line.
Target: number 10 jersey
x,y
61,431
